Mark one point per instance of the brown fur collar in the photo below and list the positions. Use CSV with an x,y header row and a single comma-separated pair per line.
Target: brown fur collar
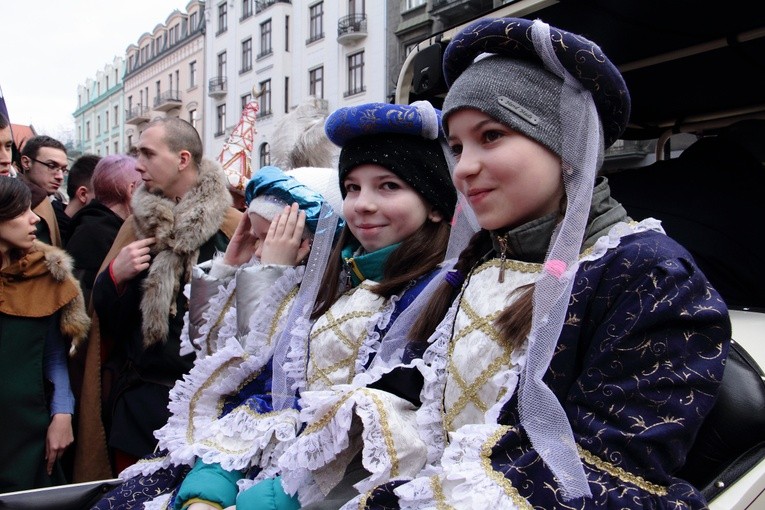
x,y
40,284
180,230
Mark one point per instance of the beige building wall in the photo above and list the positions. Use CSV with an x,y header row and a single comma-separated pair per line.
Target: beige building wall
x,y
165,73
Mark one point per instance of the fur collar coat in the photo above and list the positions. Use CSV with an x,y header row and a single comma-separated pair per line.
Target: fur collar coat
x,y
180,229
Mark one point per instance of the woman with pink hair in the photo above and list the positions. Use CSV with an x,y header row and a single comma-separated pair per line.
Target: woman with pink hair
x,y
96,225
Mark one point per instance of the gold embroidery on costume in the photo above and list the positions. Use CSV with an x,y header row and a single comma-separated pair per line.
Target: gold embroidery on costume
x,y
496,476
621,474
438,494
387,435
216,327
338,336
325,419
280,313
202,389
470,389
363,499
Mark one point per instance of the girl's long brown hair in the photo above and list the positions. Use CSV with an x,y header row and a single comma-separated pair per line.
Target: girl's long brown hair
x,y
419,254
514,323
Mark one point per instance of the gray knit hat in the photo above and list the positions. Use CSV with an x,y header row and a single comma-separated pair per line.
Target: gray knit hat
x,y
530,106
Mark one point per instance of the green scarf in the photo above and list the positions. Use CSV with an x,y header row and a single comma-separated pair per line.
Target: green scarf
x,y
365,266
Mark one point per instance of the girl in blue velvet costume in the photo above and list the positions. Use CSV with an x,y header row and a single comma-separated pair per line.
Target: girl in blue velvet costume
x,y
571,353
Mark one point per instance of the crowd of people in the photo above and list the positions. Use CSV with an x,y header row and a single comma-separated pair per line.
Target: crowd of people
x,y
452,313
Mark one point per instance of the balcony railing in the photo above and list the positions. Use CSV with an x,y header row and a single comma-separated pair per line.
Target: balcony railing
x,y
351,27
167,100
217,87
137,115
261,5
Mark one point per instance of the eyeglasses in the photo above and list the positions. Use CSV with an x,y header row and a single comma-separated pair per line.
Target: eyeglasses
x,y
53,167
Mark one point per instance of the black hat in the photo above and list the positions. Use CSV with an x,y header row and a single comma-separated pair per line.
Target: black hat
x,y
402,138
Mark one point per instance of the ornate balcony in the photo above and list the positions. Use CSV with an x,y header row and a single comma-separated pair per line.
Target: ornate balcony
x,y
168,100
351,28
137,115
262,5
217,87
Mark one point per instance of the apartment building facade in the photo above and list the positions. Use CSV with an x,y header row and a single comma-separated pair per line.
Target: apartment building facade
x,y
164,73
99,116
279,52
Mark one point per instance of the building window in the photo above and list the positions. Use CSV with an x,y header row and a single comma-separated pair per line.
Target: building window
x,y
356,7
355,74
316,82
265,155
220,120
246,55
192,74
130,142
193,118
408,5
193,21
87,130
246,9
116,116
265,98
286,94
116,147
222,18
286,33
174,34
245,100
316,22
106,121
222,64
265,39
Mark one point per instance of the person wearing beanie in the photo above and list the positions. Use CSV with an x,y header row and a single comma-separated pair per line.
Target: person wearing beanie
x,y
571,354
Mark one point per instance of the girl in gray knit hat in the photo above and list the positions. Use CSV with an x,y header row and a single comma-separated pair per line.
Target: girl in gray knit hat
x,y
571,354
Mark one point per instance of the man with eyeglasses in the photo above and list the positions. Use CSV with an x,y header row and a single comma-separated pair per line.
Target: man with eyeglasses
x,y
44,166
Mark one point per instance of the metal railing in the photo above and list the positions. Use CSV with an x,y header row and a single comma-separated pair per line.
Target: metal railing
x,y
351,24
261,5
136,112
217,85
167,97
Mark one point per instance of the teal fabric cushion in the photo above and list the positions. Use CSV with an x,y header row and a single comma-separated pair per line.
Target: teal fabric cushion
x,y
209,482
267,495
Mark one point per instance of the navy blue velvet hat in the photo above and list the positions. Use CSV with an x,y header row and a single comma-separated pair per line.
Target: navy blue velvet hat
x,y
582,58
405,139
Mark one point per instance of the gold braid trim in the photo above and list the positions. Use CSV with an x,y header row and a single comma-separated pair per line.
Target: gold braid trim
x,y
513,265
280,312
215,444
620,473
496,476
363,499
438,494
198,394
216,327
325,419
387,436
